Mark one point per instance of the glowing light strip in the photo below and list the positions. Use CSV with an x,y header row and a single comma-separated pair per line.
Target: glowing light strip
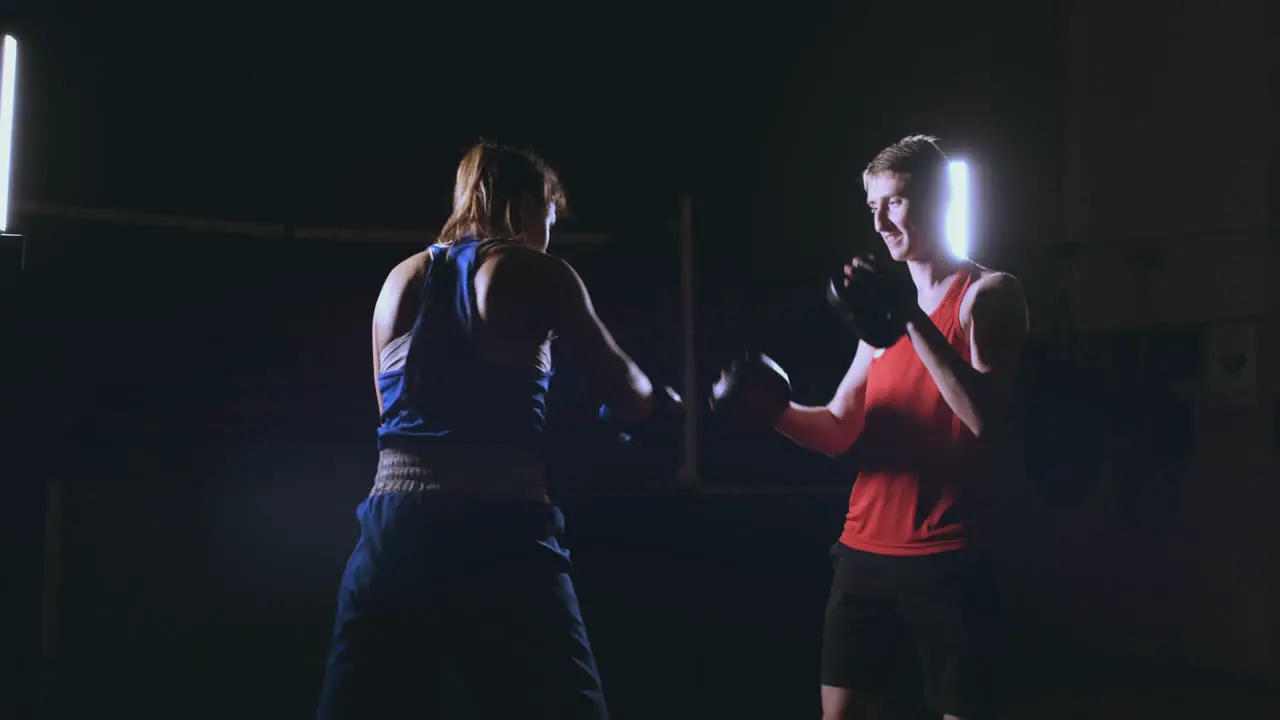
x,y
8,78
958,212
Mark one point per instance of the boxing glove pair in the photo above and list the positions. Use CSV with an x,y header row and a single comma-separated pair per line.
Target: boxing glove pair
x,y
869,297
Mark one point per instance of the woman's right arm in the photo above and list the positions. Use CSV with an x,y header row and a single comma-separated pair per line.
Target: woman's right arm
x,y
610,373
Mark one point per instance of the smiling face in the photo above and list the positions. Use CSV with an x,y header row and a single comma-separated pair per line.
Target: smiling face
x,y
908,222
907,192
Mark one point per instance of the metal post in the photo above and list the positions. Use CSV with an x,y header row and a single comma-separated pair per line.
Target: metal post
x,y
1076,211
49,594
689,468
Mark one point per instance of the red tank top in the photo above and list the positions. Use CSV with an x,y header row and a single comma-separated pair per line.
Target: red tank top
x,y
917,459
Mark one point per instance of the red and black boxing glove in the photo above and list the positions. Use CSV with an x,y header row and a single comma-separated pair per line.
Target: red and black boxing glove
x,y
873,299
752,393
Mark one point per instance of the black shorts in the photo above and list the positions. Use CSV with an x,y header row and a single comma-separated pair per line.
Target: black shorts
x,y
477,592
894,624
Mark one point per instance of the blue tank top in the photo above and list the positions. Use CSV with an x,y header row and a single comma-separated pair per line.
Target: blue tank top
x,y
446,392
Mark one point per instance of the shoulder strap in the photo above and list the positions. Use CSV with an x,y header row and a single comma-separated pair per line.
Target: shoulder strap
x,y
438,286
960,288
432,285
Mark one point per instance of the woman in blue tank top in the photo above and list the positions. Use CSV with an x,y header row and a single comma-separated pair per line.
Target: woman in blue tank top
x,y
460,563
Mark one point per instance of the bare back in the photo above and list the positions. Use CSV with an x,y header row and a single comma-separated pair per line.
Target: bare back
x,y
523,297
511,331
515,320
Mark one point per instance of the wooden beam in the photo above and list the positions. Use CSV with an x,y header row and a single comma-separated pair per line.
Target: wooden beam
x,y
386,236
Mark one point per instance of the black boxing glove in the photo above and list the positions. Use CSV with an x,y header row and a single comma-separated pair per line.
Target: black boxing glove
x,y
752,393
659,438
873,300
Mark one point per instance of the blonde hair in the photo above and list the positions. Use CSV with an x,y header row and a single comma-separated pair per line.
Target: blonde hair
x,y
492,181
918,159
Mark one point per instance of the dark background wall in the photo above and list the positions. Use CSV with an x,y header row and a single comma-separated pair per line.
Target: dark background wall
x,y
203,399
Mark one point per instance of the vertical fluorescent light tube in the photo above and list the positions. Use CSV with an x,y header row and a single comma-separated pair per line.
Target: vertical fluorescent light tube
x,y
958,211
8,79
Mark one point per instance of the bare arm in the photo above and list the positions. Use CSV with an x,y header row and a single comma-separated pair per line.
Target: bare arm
x,y
610,372
832,429
396,308
977,387
377,362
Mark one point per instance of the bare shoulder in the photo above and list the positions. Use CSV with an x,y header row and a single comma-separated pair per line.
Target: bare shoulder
x,y
524,272
513,257
995,281
398,301
994,293
409,273
518,290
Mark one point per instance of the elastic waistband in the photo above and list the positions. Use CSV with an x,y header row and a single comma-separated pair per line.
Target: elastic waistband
x,y
482,472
